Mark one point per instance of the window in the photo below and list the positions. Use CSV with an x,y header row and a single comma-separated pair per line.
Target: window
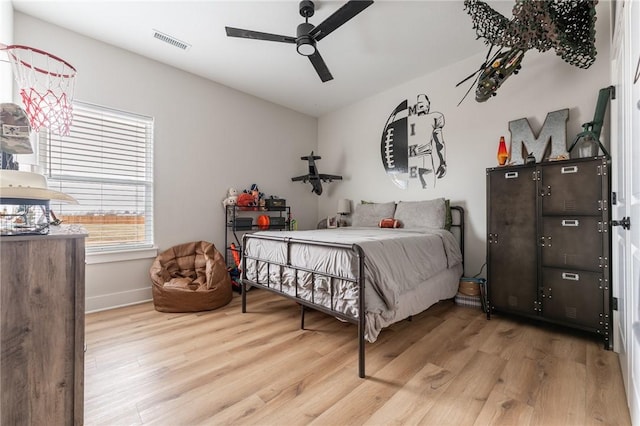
x,y
106,163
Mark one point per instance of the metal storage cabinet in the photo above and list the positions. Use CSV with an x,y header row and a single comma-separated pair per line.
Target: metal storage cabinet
x,y
568,224
572,297
238,218
511,243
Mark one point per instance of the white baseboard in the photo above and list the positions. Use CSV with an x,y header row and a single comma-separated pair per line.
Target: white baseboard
x,y
117,300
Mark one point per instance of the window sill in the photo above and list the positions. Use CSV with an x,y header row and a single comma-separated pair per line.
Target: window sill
x,y
121,255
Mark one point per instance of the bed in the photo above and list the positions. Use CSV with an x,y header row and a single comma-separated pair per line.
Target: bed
x,y
365,274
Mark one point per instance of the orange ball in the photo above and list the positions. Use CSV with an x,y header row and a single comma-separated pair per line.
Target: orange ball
x,y
263,221
245,200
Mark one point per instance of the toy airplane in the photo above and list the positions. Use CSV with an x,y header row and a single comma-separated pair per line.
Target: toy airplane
x,y
493,72
492,77
313,176
573,42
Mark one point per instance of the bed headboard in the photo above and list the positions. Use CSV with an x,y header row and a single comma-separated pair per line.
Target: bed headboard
x,y
457,226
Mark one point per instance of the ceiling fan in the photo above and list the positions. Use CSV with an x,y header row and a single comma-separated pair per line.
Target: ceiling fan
x,y
307,35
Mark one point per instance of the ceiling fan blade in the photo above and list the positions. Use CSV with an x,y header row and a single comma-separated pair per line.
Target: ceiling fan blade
x,y
339,17
256,35
320,66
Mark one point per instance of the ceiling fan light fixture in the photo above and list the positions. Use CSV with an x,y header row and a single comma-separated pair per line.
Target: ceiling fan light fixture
x,y
307,35
306,46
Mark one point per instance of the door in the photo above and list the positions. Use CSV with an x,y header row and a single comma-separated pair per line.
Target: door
x,y
626,184
511,243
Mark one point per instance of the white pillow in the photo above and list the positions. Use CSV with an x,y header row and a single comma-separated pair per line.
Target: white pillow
x,y
370,214
421,214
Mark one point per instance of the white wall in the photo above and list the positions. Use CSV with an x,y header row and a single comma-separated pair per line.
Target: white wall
x,y
349,138
6,37
208,138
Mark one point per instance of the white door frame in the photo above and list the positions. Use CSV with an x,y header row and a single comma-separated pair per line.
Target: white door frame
x,y
625,117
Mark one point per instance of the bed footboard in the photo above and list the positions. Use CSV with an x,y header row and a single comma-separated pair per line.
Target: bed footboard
x,y
274,282
271,272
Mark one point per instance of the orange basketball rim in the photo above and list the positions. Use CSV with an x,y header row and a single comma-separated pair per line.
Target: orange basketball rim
x,y
46,85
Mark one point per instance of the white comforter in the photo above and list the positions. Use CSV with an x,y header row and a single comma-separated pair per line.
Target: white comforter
x,y
399,265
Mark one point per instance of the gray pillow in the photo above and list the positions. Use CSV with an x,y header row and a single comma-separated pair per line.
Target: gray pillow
x,y
421,214
370,214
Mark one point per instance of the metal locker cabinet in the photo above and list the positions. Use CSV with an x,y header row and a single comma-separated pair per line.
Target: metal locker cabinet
x,y
511,240
574,239
573,297
571,189
572,242
548,242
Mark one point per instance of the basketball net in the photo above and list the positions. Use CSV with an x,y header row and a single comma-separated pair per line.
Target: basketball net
x,y
46,85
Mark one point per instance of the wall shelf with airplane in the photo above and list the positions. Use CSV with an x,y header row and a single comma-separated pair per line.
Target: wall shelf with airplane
x,y
313,176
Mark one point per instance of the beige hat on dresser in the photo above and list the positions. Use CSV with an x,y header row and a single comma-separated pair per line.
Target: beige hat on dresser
x,y
29,186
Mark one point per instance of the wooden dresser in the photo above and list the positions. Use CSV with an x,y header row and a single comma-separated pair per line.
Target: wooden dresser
x,y
42,329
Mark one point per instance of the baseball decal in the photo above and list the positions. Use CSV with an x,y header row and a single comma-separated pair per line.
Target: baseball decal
x,y
412,145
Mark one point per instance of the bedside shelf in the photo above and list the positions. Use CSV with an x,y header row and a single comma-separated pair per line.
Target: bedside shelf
x,y
240,220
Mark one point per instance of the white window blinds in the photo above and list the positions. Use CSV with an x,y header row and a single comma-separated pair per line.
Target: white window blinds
x,y
106,163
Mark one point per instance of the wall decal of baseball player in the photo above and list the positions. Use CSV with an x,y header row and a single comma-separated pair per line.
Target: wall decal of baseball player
x,y
412,144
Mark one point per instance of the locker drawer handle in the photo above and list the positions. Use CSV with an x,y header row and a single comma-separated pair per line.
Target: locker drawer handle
x,y
569,169
570,222
570,276
511,175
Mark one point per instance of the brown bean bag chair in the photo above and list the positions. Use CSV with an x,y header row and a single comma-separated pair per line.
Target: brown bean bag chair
x,y
190,277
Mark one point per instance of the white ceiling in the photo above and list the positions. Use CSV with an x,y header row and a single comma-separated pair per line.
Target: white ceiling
x,y
389,43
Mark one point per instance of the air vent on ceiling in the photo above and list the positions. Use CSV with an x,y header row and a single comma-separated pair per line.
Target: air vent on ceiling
x,y
171,40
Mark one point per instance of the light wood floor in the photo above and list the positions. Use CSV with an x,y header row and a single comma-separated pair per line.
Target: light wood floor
x,y
448,366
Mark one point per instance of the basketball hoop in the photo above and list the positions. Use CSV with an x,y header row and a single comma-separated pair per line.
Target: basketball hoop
x,y
46,85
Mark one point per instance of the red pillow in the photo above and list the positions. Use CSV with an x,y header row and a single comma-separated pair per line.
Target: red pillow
x,y
390,223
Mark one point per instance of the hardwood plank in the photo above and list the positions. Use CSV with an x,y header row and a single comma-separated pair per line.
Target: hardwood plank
x,y
521,379
228,388
606,401
386,348
239,410
463,399
503,410
506,340
561,397
457,346
122,413
544,340
325,394
215,393
384,383
289,390
412,401
449,365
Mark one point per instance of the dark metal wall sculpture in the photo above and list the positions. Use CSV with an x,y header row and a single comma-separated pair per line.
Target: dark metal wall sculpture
x,y
412,146
567,26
